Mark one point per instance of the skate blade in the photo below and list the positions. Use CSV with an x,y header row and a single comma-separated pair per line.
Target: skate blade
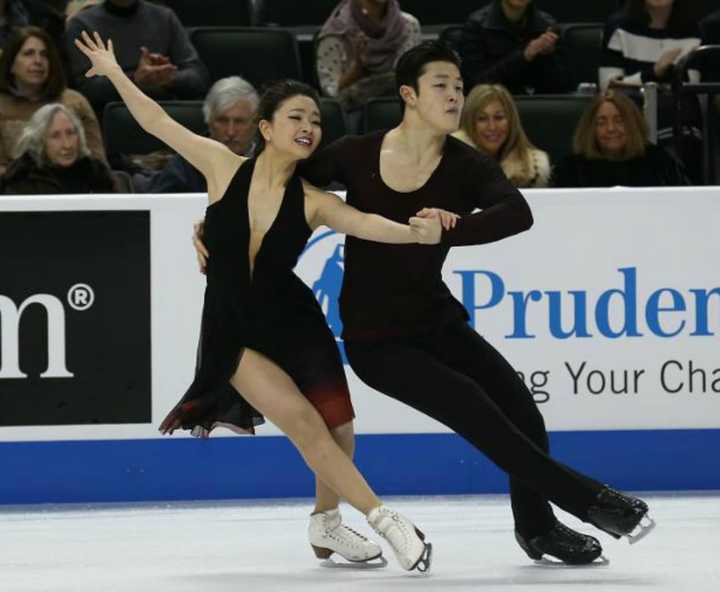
x,y
374,563
425,562
644,528
601,561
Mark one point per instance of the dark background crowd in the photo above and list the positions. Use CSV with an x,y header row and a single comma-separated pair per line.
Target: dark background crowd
x,y
560,93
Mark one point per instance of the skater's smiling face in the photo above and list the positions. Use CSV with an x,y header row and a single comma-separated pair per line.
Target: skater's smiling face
x,y
295,127
438,100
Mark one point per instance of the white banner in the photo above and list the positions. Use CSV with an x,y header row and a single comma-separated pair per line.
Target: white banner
x,y
609,307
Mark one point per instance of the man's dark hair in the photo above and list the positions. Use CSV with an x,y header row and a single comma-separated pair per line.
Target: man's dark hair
x,y
411,64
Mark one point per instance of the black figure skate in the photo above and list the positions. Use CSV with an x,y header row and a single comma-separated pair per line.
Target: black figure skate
x,y
620,515
563,543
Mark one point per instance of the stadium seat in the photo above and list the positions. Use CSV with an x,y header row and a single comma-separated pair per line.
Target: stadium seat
x,y
583,47
550,121
333,121
259,55
124,136
381,113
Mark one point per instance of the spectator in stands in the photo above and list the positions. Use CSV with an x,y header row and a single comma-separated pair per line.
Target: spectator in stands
x,y
21,13
31,75
74,6
642,43
490,123
53,158
644,40
513,43
611,148
229,111
358,47
153,49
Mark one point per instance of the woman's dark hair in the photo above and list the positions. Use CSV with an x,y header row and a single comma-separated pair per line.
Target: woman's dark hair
x,y
411,65
55,84
684,15
273,97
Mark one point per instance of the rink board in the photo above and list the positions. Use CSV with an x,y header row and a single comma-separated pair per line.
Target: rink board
x,y
609,307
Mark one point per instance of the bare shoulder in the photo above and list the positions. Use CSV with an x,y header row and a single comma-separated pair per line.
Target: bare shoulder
x,y
225,168
314,193
317,201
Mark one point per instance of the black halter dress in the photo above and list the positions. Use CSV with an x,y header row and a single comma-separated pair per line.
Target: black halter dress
x,y
269,310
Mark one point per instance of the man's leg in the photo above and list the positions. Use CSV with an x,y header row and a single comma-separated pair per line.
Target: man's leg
x,y
408,372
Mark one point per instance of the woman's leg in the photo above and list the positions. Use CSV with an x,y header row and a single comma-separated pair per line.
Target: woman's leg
x,y
273,393
325,496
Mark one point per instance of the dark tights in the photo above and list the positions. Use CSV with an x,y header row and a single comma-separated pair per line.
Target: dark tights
x,y
458,378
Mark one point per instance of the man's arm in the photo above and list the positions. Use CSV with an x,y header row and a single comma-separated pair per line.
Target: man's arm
x,y
504,211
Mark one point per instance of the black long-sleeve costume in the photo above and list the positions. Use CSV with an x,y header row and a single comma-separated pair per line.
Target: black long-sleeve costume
x,y
407,336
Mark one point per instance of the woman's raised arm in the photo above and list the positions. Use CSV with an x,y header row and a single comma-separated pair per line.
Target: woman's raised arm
x,y
203,153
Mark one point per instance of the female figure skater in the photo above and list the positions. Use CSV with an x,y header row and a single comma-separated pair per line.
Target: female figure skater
x,y
262,329
407,337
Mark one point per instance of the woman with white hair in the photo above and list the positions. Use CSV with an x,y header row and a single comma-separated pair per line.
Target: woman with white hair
x,y
52,157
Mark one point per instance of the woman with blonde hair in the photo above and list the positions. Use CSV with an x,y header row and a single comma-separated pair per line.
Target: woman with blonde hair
x,y
611,148
490,123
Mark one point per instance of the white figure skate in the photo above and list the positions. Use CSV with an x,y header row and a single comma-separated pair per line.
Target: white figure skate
x,y
408,543
329,535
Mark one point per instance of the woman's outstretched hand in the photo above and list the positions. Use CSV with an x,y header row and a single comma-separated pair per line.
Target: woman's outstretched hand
x,y
102,58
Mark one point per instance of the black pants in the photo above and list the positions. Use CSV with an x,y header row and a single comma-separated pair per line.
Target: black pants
x,y
458,378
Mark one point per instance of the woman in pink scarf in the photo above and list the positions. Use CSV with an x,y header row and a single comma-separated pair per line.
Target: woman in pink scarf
x,y
358,46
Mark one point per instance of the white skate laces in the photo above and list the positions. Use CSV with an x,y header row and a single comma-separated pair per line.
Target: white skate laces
x,y
408,543
329,535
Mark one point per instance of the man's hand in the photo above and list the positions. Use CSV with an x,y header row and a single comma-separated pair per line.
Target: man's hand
x,y
667,59
542,45
154,69
426,231
200,249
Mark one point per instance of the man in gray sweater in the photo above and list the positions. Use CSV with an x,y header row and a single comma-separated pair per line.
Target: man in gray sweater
x,y
151,46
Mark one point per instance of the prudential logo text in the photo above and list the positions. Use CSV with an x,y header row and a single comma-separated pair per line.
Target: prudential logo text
x,y
614,313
